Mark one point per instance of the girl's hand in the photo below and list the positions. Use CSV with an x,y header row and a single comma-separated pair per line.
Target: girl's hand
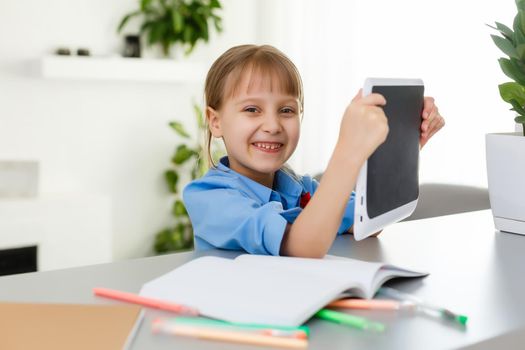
x,y
364,126
432,121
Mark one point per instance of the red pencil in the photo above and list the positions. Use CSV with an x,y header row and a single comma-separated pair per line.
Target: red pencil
x,y
149,302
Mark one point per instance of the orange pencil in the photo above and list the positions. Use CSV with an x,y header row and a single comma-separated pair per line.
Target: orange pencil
x,y
374,304
237,337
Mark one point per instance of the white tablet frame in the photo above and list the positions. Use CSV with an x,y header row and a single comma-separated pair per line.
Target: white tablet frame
x,y
364,226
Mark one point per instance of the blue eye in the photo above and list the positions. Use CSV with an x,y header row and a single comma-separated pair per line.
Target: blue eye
x,y
251,109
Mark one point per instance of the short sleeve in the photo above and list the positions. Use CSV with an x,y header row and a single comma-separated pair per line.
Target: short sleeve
x,y
227,218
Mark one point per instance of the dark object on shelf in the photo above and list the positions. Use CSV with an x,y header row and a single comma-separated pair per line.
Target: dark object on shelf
x,y
131,46
63,51
18,260
83,52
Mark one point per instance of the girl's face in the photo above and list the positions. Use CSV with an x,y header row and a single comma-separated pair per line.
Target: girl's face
x,y
260,126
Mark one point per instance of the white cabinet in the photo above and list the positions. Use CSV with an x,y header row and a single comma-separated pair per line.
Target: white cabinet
x,y
69,230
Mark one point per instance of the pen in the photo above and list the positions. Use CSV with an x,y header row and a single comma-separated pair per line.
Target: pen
x,y
301,332
233,336
424,306
350,320
140,300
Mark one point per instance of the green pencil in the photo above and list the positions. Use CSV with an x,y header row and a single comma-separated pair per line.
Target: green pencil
x,y
349,320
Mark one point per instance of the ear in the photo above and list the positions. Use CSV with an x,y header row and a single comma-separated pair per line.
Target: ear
x,y
214,122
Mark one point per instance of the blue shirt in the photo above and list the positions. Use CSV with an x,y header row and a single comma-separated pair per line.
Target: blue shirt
x,y
230,211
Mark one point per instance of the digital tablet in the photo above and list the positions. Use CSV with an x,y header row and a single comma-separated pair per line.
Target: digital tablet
x,y
387,187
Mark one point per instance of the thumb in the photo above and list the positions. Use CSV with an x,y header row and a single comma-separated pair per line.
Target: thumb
x,y
358,96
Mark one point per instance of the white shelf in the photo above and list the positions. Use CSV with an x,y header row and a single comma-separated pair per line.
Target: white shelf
x,y
121,69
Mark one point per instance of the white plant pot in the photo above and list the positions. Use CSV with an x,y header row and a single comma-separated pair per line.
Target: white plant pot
x,y
506,173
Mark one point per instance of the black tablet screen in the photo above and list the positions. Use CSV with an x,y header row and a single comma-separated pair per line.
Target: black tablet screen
x,y
392,174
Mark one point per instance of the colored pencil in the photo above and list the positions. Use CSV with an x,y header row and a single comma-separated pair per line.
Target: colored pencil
x,y
148,302
235,336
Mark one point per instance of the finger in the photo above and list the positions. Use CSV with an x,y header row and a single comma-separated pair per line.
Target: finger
x,y
425,125
358,96
423,139
428,105
374,99
433,120
428,136
440,124
422,142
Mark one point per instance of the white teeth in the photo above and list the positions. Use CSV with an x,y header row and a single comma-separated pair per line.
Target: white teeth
x,y
268,145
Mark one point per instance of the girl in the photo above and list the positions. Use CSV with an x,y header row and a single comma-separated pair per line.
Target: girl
x,y
251,201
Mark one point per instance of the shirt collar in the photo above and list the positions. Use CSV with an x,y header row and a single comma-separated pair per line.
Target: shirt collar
x,y
283,182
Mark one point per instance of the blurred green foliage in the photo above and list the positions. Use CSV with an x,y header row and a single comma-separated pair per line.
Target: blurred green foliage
x,y
170,22
512,43
192,158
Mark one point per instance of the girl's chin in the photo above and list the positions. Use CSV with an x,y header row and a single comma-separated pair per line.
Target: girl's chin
x,y
266,167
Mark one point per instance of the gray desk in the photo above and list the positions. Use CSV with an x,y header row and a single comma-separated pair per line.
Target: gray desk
x,y
474,270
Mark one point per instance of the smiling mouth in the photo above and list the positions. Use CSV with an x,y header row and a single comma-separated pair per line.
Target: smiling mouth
x,y
268,146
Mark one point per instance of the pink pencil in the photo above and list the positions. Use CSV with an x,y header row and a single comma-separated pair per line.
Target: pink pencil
x,y
148,302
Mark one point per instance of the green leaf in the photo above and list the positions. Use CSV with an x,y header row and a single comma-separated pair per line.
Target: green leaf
x,y
217,22
519,67
203,165
145,26
155,30
521,52
188,32
511,71
505,45
161,241
518,26
174,239
517,107
505,31
126,19
200,167
519,37
521,15
177,21
179,129
520,119
145,4
179,209
512,91
172,178
199,116
182,154
215,4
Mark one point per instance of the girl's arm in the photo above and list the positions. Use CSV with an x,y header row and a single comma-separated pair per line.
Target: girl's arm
x,y
363,128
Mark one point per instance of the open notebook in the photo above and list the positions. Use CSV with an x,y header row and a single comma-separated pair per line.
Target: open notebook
x,y
267,289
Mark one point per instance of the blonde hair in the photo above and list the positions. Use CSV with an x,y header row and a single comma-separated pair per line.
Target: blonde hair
x,y
227,71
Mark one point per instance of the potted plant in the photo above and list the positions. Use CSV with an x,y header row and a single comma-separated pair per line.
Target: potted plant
x,y
186,158
506,151
171,22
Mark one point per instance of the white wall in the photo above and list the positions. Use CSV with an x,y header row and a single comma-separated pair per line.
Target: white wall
x,y
107,138
111,138
337,44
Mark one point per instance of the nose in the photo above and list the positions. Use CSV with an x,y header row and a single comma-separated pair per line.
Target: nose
x,y
271,123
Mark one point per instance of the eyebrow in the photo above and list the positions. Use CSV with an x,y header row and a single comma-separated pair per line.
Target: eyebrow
x,y
254,99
